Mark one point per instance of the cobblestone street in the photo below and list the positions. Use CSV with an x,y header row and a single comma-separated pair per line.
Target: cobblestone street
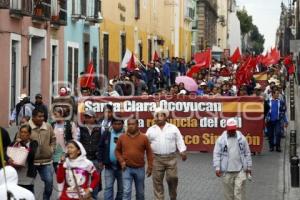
x,y
197,180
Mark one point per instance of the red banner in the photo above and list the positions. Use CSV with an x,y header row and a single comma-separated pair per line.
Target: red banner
x,y
200,119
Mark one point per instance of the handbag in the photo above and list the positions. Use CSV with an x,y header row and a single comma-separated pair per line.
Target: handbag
x,y
18,154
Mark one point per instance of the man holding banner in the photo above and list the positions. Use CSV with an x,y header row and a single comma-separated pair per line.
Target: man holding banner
x,y
165,139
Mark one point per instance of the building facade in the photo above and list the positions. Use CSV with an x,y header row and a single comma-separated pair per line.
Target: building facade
x,y
81,39
143,27
31,34
234,39
207,18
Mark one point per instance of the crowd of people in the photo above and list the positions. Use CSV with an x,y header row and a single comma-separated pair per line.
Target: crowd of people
x,y
80,153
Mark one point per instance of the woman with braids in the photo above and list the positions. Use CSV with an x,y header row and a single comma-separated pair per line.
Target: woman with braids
x,y
64,131
78,174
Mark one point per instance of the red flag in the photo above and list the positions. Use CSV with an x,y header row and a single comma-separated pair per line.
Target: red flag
x,y
155,56
203,60
291,69
195,69
90,75
131,63
288,60
236,56
246,71
271,58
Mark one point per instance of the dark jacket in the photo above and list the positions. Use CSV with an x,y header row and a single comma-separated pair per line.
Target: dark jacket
x,y
90,141
31,172
6,142
104,148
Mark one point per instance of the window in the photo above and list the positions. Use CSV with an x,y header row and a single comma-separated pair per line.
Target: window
x,y
79,7
86,49
13,75
70,64
105,53
149,50
76,7
16,4
123,45
137,9
90,8
73,66
140,51
83,7
54,67
95,57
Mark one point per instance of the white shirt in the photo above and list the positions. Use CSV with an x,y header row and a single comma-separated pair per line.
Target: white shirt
x,y
166,140
234,160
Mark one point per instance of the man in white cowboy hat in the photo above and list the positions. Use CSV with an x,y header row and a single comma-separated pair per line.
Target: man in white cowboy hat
x,y
166,140
232,161
22,109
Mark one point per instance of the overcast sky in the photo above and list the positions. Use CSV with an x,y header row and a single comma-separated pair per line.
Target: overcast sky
x,y
265,14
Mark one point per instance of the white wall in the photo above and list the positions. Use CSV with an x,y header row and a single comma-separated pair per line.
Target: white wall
x,y
234,31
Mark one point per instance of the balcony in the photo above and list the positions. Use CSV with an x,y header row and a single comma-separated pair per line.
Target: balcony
x,y
59,13
41,10
4,4
20,8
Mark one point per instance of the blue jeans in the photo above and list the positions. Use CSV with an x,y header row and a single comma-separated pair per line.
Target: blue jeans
x,y
110,176
98,188
46,174
274,133
138,176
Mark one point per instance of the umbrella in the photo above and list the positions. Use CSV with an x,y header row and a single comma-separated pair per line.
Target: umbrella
x,y
189,83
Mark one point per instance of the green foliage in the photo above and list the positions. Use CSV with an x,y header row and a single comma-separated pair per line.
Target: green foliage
x,y
257,40
245,20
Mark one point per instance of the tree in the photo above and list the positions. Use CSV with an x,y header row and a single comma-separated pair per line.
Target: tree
x,y
255,40
245,21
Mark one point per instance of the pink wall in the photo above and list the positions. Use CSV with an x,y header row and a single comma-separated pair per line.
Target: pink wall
x,y
21,27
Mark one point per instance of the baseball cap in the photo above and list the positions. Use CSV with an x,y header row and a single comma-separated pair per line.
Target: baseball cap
x,y
90,113
231,124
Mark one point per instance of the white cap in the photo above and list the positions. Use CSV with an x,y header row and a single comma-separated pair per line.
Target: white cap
x,y
182,92
161,110
203,83
231,124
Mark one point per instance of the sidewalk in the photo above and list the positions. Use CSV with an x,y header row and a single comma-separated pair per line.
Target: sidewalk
x,y
289,192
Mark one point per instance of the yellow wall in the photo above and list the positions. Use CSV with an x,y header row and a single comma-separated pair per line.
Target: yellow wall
x,y
156,19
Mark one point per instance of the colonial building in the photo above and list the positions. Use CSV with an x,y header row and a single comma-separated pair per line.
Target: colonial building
x,y
32,53
207,13
144,27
